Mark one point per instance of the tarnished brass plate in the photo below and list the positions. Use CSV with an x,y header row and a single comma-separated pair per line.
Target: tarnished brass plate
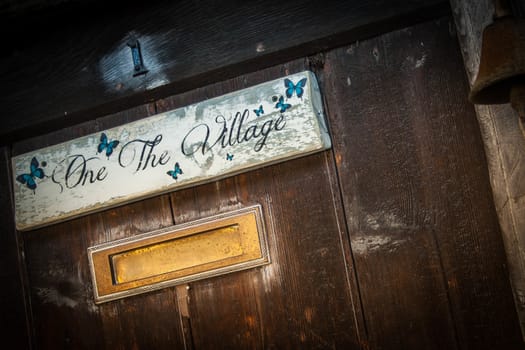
x,y
200,249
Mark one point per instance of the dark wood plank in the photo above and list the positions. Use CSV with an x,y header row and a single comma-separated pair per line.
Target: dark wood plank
x,y
467,228
63,310
149,320
13,299
65,67
423,229
306,297
82,129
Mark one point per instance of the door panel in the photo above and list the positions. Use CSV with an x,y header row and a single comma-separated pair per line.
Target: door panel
x,y
387,241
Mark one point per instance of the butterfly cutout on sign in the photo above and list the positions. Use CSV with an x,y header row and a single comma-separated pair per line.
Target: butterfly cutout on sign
x,y
104,144
35,172
292,88
259,111
281,105
175,172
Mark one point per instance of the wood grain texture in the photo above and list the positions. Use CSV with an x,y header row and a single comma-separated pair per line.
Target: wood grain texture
x,y
504,145
304,298
300,300
423,229
65,67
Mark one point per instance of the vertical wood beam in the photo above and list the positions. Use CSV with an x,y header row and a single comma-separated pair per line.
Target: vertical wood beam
x,y
504,144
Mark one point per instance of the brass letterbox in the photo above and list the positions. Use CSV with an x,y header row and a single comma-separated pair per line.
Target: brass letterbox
x,y
195,250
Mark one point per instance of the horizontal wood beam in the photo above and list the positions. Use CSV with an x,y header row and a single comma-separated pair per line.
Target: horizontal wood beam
x,y
74,63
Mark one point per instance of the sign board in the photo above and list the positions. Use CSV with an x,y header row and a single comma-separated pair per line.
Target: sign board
x,y
264,124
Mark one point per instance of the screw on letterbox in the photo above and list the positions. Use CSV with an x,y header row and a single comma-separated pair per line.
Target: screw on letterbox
x,y
136,55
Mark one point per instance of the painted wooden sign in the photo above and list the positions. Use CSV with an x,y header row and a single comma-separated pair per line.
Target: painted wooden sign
x,y
206,141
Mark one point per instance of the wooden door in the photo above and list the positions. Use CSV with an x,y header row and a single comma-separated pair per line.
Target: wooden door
x,y
389,240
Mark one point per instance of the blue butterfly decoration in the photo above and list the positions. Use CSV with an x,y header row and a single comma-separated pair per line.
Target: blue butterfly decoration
x,y
283,106
298,88
229,156
106,145
259,111
34,172
175,172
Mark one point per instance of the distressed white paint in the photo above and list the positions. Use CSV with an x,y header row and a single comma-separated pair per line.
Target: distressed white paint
x,y
376,243
149,148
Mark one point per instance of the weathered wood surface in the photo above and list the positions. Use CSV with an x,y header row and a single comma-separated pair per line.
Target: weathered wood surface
x,y
504,143
305,297
271,122
424,233
79,51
